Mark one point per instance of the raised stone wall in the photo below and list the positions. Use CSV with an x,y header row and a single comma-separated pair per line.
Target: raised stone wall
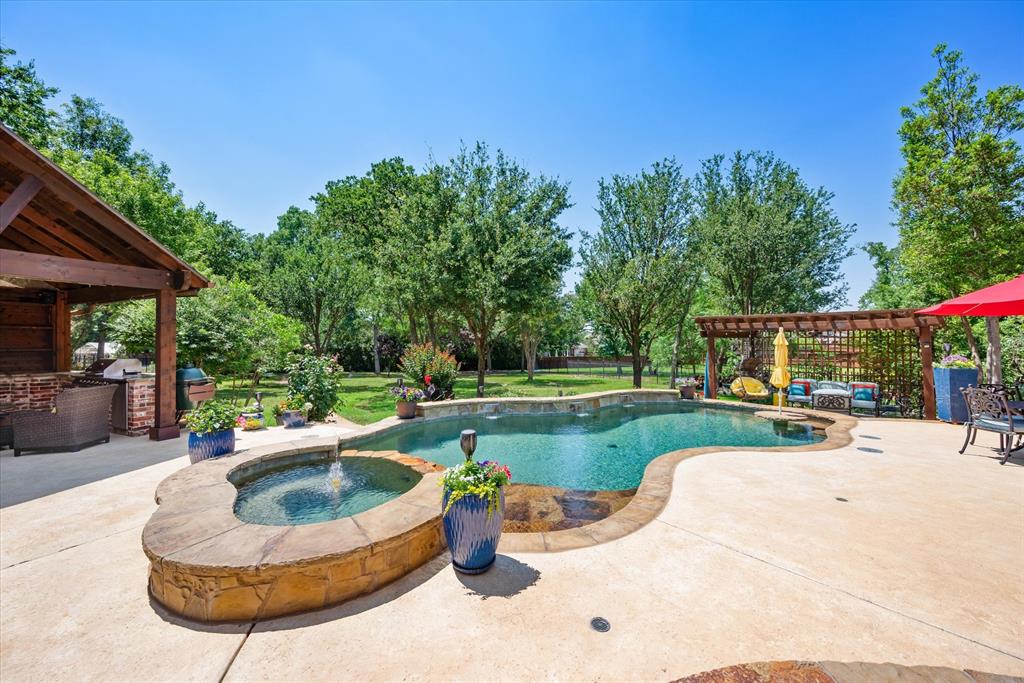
x,y
207,565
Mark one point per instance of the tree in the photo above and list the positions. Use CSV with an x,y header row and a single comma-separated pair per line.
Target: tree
x,y
502,245
639,268
86,128
23,100
533,323
960,193
220,330
891,288
774,245
314,278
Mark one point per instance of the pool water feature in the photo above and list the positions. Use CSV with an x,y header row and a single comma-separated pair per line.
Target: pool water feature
x,y
308,493
607,449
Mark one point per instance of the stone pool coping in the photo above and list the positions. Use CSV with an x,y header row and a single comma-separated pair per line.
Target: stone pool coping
x,y
208,565
656,485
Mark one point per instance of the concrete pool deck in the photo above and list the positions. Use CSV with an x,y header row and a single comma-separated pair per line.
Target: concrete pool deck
x,y
754,558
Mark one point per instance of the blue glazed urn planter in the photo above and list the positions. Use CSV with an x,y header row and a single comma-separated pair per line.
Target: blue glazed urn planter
x,y
949,402
293,419
210,445
472,533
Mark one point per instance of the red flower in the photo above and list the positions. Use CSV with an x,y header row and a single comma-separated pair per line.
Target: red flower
x,y
426,379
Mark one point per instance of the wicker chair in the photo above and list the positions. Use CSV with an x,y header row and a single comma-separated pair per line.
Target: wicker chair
x,y
81,418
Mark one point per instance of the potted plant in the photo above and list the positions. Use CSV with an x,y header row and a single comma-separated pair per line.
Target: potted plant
x,y
211,430
292,411
405,401
687,387
953,373
473,509
251,419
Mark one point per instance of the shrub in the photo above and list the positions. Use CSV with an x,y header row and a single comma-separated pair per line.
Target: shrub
x,y
211,416
425,360
318,379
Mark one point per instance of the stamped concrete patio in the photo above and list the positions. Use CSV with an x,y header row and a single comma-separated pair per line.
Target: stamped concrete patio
x,y
892,549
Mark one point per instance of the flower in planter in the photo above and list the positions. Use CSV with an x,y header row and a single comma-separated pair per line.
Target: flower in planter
x,y
483,479
955,360
404,393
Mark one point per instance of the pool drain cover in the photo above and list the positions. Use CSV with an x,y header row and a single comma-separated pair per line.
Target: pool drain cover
x,y
600,624
613,445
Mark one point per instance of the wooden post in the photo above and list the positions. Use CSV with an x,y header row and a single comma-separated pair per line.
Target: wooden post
x,y
165,426
61,333
924,335
712,360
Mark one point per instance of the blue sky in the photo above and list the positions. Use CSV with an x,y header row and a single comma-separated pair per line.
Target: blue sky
x,y
256,106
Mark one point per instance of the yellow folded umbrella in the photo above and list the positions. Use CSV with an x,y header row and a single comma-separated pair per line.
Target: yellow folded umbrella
x,y
780,373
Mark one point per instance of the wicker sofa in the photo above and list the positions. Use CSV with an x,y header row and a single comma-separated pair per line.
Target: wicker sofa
x,y
81,417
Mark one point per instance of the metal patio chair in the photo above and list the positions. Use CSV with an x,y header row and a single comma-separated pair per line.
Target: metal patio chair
x,y
988,411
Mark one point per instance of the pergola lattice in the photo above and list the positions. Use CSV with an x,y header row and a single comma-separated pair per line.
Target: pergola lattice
x,y
890,347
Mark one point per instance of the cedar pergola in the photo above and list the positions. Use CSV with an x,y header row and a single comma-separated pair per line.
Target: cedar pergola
x,y
890,347
61,245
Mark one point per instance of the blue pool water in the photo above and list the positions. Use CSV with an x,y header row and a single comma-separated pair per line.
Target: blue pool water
x,y
321,491
605,449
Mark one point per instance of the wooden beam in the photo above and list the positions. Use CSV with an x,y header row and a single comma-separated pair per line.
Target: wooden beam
x,y
19,199
712,361
106,295
165,423
62,333
79,271
924,336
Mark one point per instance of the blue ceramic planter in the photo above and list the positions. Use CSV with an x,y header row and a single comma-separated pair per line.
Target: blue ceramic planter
x,y
949,402
293,419
472,534
211,445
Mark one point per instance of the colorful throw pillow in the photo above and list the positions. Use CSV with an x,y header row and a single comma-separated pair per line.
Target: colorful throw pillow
x,y
863,391
800,387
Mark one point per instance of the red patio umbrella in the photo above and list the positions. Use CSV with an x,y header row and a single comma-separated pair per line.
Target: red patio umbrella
x,y
1006,298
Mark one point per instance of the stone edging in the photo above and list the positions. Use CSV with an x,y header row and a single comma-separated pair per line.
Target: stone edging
x,y
207,565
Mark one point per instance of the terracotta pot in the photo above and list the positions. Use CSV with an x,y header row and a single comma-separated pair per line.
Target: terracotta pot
x,y
406,409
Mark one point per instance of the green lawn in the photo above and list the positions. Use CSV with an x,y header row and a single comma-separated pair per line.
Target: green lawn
x,y
364,397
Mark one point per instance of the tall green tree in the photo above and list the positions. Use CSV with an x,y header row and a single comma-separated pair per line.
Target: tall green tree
x,y
774,245
503,247
960,193
641,266
891,288
24,100
314,278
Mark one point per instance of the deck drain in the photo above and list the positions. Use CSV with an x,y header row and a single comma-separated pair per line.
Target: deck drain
x,y
870,450
600,624
842,500
868,436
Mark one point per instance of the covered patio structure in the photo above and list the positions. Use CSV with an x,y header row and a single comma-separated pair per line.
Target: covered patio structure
x,y
61,245
891,347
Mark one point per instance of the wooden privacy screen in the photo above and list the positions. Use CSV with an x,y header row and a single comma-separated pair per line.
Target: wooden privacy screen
x,y
891,358
34,331
890,347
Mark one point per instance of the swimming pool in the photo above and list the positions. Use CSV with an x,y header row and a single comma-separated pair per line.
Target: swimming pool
x,y
606,449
